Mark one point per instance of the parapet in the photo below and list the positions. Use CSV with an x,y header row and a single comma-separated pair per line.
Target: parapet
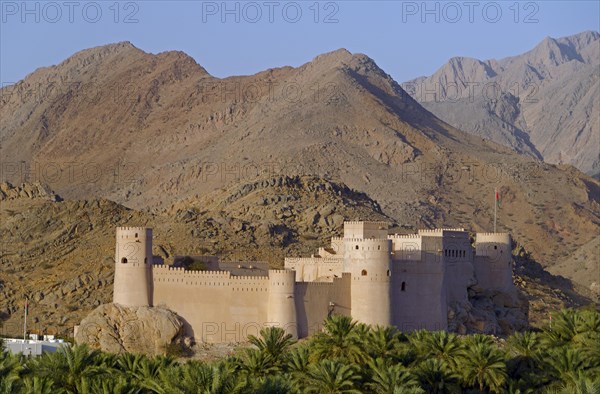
x,y
380,223
439,231
134,232
503,238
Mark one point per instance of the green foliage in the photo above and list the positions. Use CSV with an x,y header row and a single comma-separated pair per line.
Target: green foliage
x,y
346,357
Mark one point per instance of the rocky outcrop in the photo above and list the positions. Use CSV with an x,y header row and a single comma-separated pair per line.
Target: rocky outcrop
x,y
26,190
117,329
489,312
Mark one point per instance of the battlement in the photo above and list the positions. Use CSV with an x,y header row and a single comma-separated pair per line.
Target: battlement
x,y
366,240
133,228
279,271
493,234
439,230
249,277
381,223
404,236
166,269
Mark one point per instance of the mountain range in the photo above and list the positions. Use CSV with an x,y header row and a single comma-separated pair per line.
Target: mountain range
x,y
544,103
257,166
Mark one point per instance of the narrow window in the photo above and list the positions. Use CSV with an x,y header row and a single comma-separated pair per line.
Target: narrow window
x,y
356,247
124,260
388,272
363,272
136,235
145,260
403,287
378,247
495,246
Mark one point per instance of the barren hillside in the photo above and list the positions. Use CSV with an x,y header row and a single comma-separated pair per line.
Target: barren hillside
x,y
192,155
544,102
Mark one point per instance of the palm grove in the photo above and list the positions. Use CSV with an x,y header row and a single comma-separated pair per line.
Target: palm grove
x,y
346,357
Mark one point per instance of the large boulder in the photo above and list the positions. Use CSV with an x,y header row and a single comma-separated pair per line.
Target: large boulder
x,y
116,329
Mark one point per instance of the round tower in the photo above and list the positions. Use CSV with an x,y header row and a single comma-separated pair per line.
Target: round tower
x,y
281,310
133,267
368,261
493,260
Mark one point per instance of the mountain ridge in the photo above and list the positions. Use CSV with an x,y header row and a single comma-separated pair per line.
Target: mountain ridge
x,y
520,101
157,131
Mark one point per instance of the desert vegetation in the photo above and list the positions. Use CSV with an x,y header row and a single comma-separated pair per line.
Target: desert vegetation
x,y
346,357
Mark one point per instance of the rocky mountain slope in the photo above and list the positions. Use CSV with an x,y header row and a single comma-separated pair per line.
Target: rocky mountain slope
x,y
544,102
192,155
61,254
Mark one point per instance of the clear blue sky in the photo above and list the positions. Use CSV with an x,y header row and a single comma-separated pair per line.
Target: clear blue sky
x,y
406,38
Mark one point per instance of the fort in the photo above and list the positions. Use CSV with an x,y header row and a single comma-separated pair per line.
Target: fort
x,y
407,281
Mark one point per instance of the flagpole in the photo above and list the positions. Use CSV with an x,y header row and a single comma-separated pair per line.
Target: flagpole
x,y
495,206
25,320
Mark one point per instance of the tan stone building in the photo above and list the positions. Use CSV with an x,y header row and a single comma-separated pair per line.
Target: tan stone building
x,y
402,280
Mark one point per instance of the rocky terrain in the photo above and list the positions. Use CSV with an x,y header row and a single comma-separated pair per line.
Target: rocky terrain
x,y
252,167
543,103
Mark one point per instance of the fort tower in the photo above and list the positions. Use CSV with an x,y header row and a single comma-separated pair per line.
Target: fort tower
x,y
367,256
133,267
281,305
493,260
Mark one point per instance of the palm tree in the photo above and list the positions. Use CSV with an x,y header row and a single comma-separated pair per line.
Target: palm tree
x,y
581,385
297,365
10,366
38,385
150,368
441,345
255,364
331,377
103,385
436,377
75,363
339,340
525,363
274,342
392,379
383,342
483,366
195,377
565,364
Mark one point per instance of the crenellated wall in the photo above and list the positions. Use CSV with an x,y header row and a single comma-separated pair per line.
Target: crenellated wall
x,y
379,279
217,306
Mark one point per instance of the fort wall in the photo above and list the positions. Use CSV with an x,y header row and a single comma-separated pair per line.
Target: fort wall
x,y
315,301
309,269
217,306
458,259
404,280
419,290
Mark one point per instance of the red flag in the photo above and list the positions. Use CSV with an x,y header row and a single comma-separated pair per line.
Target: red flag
x,y
497,198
